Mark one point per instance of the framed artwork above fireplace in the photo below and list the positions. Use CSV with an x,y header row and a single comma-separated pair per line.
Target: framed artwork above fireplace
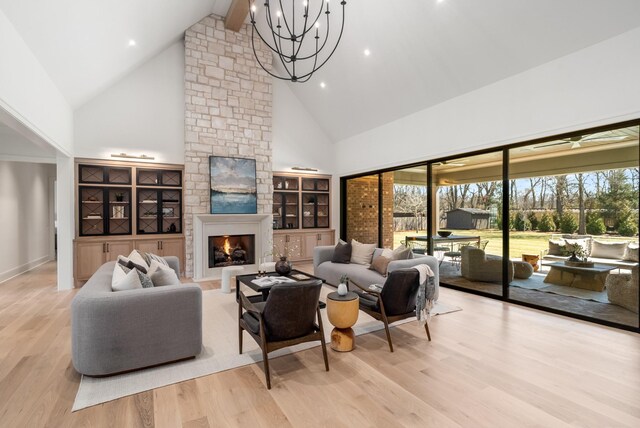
x,y
233,187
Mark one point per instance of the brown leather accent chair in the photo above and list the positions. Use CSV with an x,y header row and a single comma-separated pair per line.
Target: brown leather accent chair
x,y
396,301
288,317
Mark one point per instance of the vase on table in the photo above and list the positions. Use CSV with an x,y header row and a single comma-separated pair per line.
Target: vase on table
x,y
342,289
283,266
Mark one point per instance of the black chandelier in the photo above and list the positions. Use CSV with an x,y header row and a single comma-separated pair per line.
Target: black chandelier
x,y
288,36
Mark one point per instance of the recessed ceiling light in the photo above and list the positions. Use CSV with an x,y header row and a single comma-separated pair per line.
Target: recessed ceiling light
x,y
323,85
132,42
367,52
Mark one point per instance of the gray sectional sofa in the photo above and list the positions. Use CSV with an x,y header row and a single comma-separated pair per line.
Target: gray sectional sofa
x,y
113,332
331,272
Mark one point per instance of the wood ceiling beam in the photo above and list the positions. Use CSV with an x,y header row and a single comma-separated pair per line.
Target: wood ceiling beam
x,y
236,15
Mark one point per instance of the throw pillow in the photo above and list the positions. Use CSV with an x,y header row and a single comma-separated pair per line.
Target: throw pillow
x,y
157,258
402,253
380,265
342,253
557,247
164,275
632,252
387,252
362,253
124,279
137,258
123,261
608,250
145,280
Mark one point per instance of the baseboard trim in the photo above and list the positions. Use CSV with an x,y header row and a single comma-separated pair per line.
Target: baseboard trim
x,y
17,271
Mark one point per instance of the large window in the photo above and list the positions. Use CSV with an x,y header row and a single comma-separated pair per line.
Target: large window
x,y
551,223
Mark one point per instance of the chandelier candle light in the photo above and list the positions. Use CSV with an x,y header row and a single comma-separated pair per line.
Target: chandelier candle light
x,y
287,39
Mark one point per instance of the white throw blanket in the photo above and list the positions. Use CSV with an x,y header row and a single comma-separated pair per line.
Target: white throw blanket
x,y
426,293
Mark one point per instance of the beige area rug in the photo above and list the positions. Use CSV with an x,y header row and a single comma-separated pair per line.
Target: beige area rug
x,y
219,353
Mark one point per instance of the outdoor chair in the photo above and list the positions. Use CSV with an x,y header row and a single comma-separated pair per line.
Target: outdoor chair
x,y
288,317
455,253
396,301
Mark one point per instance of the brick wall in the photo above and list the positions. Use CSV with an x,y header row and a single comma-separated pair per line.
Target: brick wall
x,y
362,209
228,112
387,209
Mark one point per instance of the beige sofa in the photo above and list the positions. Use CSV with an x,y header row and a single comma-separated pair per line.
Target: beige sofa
x,y
623,255
475,265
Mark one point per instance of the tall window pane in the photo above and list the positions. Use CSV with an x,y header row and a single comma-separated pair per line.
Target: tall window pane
x,y
574,218
467,205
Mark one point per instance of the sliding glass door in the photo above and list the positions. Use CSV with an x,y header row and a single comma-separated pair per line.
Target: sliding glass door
x,y
551,223
467,235
574,219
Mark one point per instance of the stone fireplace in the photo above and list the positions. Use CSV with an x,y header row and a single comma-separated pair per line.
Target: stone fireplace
x,y
228,102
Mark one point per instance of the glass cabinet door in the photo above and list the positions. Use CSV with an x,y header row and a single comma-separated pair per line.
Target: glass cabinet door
x,y
147,211
290,211
91,174
119,211
91,206
315,210
278,210
171,211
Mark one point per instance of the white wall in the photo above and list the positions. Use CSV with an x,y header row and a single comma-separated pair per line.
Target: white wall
x,y
142,113
25,216
595,86
28,94
297,139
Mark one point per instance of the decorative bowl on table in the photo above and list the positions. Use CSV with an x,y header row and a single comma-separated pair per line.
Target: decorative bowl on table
x,y
444,233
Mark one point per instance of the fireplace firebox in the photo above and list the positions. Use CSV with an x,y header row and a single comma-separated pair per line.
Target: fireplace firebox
x,y
231,250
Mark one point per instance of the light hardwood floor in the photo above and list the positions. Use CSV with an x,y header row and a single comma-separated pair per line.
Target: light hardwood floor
x,y
492,364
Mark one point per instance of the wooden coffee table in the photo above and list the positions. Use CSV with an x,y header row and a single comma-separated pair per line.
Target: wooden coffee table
x,y
587,278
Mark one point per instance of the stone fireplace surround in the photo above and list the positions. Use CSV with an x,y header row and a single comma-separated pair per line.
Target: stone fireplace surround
x,y
228,112
206,225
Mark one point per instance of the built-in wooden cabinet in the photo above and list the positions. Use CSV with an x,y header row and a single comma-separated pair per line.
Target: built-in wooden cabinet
x,y
299,245
162,247
301,214
123,206
91,254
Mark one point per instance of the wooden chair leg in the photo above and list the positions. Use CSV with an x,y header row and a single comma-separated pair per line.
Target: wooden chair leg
x,y
265,359
386,328
324,345
324,355
239,328
386,322
426,328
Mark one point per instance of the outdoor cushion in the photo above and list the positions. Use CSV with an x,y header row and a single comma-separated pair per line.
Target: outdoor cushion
x,y
632,252
557,247
608,250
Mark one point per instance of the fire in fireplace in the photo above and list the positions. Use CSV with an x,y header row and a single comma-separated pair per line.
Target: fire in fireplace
x,y
231,250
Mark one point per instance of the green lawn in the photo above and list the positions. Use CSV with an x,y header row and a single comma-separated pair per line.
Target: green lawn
x,y
519,242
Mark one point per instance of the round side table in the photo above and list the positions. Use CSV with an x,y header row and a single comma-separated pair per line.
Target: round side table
x,y
343,314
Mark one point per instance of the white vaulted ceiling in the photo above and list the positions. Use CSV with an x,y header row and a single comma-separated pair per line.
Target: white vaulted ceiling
x,y
423,52
83,44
